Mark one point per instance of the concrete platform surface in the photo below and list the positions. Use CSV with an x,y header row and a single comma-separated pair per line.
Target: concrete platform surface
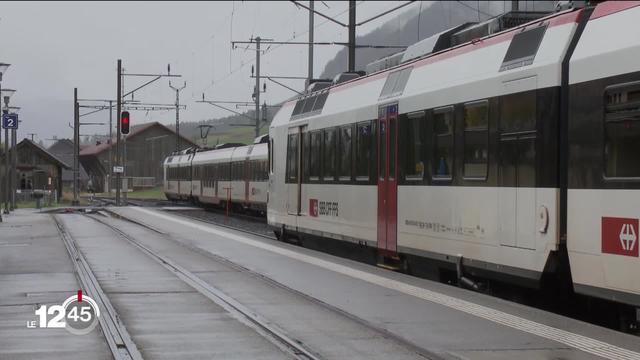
x,y
35,269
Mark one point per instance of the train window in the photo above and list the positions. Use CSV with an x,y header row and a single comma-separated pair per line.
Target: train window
x,y
322,98
382,150
476,140
363,150
292,158
306,143
518,112
272,152
389,84
308,105
622,131
395,83
314,156
298,108
412,126
329,157
403,78
345,153
392,148
269,153
523,48
443,143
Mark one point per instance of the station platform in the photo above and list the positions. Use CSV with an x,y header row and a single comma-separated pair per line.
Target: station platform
x,y
338,307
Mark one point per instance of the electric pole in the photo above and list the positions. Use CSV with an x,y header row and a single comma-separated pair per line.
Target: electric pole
x,y
110,146
311,16
257,88
178,112
118,112
32,135
352,35
76,146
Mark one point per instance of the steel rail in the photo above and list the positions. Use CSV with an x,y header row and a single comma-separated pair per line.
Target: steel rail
x,y
118,339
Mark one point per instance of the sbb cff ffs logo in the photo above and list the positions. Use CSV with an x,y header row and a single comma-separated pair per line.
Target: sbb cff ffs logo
x,y
78,314
620,236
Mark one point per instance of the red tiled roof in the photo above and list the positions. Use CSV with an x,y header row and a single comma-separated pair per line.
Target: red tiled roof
x,y
135,130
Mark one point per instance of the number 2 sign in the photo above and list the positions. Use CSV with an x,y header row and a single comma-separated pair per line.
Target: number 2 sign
x,y
9,121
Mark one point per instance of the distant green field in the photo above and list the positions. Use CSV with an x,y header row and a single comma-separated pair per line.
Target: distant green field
x,y
156,193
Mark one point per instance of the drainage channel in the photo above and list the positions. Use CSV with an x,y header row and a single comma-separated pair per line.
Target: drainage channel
x,y
261,325
120,343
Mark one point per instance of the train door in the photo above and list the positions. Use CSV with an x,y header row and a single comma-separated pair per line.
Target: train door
x,y
387,178
517,192
294,170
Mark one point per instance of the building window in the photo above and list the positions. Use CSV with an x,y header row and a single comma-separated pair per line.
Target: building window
x,y
622,131
476,140
443,143
329,156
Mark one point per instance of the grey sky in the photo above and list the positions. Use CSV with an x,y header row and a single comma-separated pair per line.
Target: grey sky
x,y
56,46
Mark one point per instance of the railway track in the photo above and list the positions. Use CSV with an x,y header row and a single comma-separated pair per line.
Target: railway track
x,y
118,339
599,313
421,351
239,311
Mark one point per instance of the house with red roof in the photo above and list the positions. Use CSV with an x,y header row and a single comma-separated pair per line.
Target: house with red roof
x,y
144,148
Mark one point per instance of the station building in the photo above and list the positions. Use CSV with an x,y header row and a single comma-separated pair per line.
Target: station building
x,y
145,148
38,169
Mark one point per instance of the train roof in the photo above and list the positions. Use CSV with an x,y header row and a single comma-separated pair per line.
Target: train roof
x,y
257,151
457,66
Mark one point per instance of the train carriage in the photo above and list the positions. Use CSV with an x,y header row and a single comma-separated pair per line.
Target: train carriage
x,y
235,174
177,175
604,155
486,157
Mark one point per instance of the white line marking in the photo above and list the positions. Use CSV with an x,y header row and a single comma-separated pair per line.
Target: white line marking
x,y
580,342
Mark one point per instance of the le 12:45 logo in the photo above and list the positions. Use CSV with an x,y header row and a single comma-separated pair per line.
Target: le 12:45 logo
x,y
78,314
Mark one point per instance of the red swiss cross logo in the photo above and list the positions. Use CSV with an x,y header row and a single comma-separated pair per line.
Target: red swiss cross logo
x,y
313,207
620,236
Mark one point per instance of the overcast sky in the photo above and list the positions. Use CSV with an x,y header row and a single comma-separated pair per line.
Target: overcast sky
x,y
55,46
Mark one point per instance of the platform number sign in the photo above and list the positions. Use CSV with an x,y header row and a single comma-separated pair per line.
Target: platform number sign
x,y
9,121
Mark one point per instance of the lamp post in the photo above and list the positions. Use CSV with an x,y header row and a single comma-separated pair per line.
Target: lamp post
x,y
13,180
6,95
3,68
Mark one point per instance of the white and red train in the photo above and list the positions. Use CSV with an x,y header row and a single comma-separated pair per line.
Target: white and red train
x,y
229,175
515,155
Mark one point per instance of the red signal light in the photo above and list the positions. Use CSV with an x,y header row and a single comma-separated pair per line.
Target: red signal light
x,y
124,122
